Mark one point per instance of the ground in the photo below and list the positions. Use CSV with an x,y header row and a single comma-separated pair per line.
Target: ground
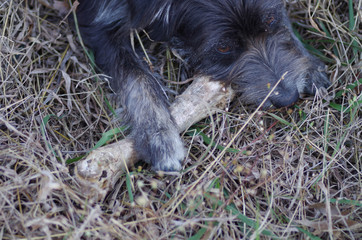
x,y
289,174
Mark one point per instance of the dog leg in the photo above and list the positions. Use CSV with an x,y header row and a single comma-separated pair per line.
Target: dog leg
x,y
105,27
155,134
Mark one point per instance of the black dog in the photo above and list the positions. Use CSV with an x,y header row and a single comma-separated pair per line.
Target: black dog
x,y
248,43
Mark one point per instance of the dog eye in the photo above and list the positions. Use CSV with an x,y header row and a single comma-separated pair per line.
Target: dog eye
x,y
223,48
270,20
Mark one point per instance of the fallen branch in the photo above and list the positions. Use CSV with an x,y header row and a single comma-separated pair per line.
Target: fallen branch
x,y
98,173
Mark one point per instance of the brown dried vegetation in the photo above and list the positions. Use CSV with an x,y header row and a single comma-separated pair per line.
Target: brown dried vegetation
x,y
289,174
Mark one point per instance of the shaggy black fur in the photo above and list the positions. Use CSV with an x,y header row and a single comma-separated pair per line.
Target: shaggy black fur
x,y
248,43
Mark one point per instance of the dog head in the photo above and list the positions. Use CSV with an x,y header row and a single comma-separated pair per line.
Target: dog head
x,y
248,43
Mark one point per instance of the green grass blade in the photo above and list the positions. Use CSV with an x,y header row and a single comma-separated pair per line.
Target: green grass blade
x,y
199,234
313,237
244,219
281,120
108,136
346,201
43,132
129,187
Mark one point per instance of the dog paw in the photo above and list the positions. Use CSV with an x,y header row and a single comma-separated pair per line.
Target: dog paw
x,y
163,149
167,151
168,164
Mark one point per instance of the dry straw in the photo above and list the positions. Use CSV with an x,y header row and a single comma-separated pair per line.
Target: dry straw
x,y
289,174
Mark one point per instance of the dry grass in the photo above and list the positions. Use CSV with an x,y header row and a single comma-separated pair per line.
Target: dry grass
x,y
292,174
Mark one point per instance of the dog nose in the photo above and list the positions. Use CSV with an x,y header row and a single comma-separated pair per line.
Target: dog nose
x,y
283,97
